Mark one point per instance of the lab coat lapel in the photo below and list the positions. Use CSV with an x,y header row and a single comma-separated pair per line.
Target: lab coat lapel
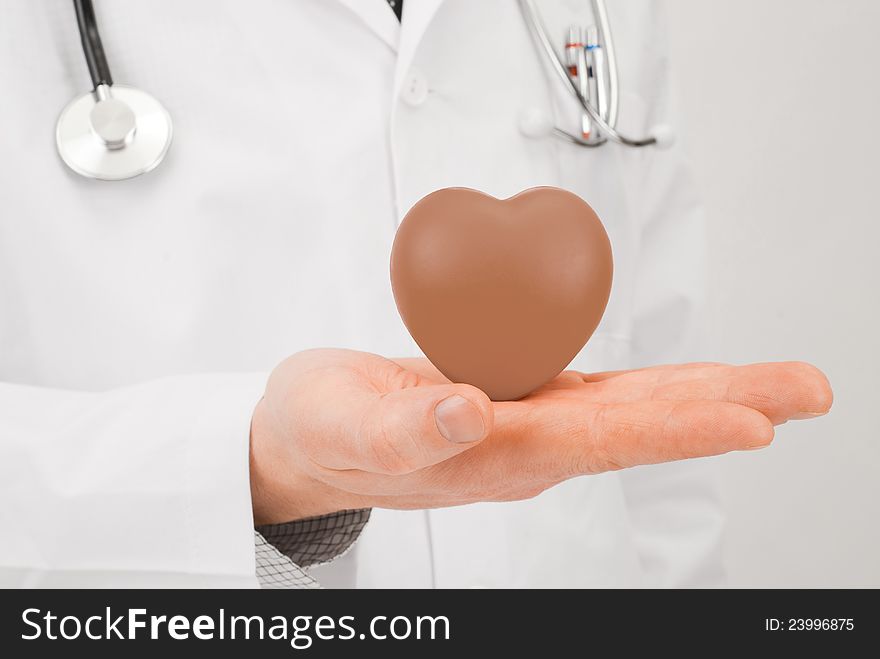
x,y
378,17
417,16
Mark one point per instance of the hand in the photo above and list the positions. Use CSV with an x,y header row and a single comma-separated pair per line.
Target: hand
x,y
339,429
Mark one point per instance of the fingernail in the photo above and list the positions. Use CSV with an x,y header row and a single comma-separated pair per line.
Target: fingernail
x,y
459,420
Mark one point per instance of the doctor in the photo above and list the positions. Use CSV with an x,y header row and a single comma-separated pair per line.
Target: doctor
x,y
141,435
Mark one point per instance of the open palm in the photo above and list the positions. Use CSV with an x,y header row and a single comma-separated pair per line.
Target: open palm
x,y
581,424
355,429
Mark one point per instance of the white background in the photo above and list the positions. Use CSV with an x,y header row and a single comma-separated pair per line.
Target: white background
x,y
780,112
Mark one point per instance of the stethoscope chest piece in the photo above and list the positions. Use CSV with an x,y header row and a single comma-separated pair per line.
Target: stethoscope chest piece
x,y
113,133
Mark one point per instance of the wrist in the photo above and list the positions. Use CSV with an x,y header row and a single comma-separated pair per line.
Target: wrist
x,y
279,491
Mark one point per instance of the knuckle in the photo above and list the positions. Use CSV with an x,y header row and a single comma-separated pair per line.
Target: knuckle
x,y
391,376
674,433
595,453
597,460
405,379
387,456
758,400
386,459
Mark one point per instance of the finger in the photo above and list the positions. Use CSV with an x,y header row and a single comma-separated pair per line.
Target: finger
x,y
570,440
693,369
408,429
634,434
528,453
781,391
636,380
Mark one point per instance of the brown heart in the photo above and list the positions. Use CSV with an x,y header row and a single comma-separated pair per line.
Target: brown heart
x,y
501,294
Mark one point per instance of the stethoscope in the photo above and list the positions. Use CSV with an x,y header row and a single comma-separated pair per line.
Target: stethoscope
x,y
117,132
590,74
113,132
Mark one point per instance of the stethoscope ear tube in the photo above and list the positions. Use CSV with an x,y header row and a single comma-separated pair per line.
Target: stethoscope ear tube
x,y
606,129
93,49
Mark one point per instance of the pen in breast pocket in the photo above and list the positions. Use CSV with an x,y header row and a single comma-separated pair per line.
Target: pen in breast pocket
x,y
576,61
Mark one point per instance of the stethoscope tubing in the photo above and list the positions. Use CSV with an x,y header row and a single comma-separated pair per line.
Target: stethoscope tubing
x,y
93,48
113,132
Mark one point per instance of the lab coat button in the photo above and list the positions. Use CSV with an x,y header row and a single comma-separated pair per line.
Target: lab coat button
x,y
414,90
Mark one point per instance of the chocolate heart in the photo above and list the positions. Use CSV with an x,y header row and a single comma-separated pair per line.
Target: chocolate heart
x,y
501,294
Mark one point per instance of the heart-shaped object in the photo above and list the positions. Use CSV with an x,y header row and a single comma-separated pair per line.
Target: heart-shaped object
x,y
501,294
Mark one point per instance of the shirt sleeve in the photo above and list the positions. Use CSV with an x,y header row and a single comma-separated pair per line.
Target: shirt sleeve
x,y
141,485
284,550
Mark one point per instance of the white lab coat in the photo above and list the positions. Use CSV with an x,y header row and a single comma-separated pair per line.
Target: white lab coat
x,y
138,319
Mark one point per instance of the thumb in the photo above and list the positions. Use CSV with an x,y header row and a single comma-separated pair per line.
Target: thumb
x,y
405,430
